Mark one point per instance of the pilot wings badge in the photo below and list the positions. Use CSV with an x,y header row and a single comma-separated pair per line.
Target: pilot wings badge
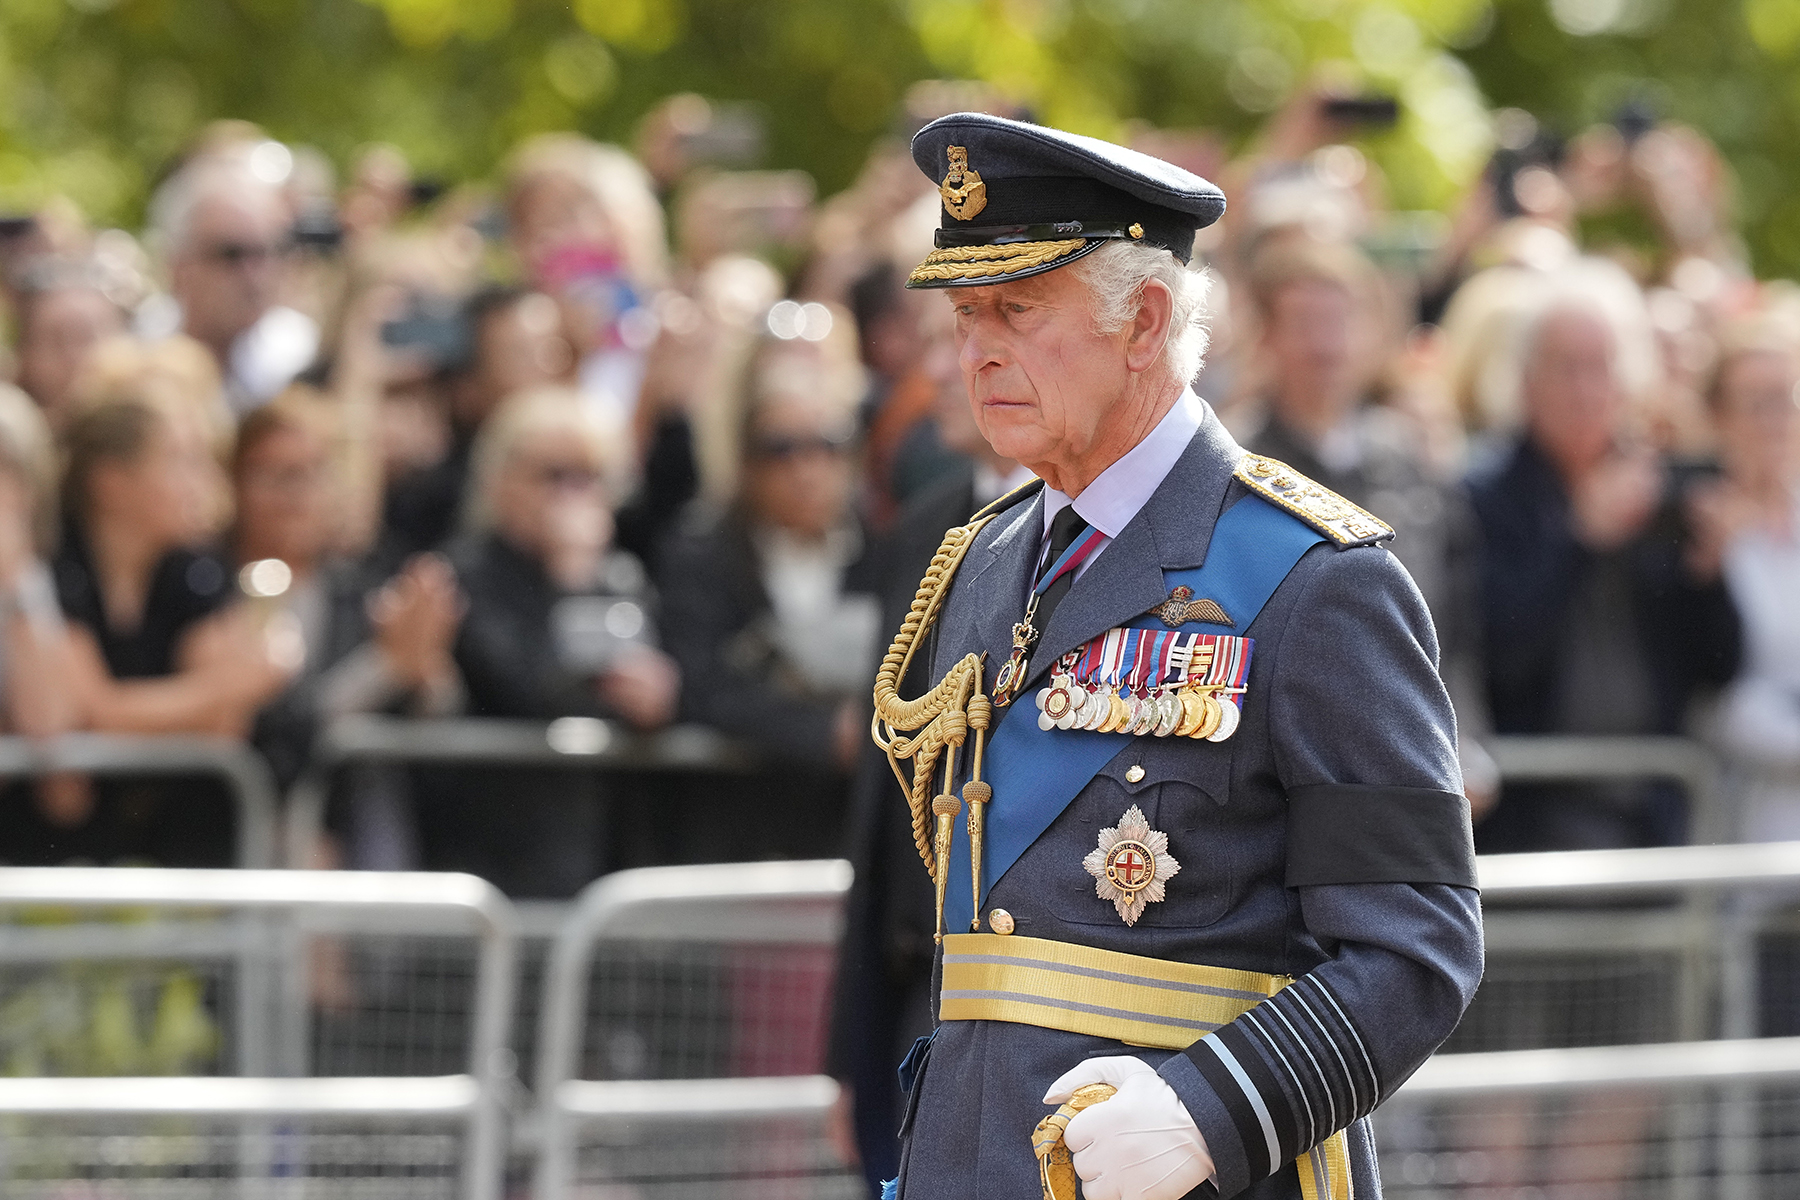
x,y
1181,607
1131,865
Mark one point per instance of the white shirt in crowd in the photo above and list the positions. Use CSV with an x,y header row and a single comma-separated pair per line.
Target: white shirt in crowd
x,y
1760,717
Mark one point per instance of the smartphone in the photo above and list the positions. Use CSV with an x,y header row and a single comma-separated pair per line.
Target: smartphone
x,y
317,228
1377,112
1634,119
591,632
433,327
733,136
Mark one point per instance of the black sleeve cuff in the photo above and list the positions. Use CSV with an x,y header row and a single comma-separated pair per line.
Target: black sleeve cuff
x,y
1351,833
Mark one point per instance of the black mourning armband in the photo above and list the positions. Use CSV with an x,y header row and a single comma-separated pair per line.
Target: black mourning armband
x,y
1353,833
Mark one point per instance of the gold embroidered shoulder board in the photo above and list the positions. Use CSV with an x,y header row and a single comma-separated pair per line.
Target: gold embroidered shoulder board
x,y
1344,523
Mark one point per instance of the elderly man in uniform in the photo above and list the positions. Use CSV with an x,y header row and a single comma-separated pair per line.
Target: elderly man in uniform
x,y
1188,784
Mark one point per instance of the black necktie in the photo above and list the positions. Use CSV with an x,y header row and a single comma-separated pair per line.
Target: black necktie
x,y
1065,527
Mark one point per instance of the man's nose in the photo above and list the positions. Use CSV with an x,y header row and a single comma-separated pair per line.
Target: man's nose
x,y
980,346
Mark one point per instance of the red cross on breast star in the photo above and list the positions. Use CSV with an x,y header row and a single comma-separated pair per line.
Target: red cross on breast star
x,y
1131,867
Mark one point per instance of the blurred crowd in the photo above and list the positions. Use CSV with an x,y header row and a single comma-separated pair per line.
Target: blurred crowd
x,y
651,436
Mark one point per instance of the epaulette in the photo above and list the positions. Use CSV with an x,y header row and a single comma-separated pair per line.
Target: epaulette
x,y
1344,523
1023,492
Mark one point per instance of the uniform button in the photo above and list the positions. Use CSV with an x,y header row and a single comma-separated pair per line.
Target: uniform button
x,y
1000,921
1134,774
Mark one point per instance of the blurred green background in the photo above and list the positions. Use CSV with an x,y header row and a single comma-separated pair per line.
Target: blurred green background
x,y
96,94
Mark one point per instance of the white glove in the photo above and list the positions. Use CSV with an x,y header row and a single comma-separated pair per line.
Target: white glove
x,y
1139,1145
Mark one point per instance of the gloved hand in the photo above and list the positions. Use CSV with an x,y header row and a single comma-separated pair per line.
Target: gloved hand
x,y
1139,1145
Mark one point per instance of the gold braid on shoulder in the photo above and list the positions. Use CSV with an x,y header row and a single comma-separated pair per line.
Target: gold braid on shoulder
x,y
943,717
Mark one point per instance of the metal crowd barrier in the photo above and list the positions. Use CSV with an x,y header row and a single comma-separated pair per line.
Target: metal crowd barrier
x,y
1560,906
132,983
1568,967
1718,1120
706,1023
1634,949
568,743
1557,758
242,770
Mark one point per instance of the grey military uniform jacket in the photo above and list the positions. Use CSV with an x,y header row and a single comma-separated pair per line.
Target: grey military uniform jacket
x,y
1327,839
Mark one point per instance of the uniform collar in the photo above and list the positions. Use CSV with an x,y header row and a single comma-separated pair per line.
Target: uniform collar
x,y
1120,492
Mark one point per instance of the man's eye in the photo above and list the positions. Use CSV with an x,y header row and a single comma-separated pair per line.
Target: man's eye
x,y
1015,307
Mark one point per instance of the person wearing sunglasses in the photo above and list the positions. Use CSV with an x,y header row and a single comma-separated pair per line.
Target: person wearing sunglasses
x,y
771,601
558,624
226,233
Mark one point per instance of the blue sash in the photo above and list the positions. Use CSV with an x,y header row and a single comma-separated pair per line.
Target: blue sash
x,y
1036,773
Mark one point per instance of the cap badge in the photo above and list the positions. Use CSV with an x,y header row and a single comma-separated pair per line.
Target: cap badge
x,y
965,195
1131,865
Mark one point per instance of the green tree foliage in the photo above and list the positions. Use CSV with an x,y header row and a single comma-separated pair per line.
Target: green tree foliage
x,y
96,94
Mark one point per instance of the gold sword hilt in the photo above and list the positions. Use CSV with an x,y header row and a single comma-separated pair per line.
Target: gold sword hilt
x,y
1056,1166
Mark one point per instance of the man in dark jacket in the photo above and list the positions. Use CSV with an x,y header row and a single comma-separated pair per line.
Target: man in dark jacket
x,y
1597,620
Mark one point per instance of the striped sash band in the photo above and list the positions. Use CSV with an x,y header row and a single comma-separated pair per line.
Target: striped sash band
x,y
1128,998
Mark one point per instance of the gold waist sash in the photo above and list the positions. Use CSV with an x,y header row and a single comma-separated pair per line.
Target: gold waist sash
x,y
1126,997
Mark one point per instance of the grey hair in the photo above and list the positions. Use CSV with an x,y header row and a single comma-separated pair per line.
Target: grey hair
x,y
174,204
1116,274
555,409
1587,286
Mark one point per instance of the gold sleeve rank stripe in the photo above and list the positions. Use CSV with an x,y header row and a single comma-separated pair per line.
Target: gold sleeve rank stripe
x,y
1346,524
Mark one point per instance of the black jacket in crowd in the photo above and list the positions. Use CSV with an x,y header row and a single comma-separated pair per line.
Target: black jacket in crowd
x,y
1533,574
717,621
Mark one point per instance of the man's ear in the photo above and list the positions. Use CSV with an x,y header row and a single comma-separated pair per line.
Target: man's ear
x,y
1149,330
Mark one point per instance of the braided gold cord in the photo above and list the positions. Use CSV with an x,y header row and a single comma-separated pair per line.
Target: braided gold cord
x,y
942,716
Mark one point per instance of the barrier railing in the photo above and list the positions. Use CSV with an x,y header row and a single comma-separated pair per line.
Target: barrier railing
x,y
1697,957
436,1135
1556,758
569,743
714,979
233,762
1716,1119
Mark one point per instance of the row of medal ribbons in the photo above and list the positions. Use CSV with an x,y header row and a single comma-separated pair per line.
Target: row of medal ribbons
x,y
1156,682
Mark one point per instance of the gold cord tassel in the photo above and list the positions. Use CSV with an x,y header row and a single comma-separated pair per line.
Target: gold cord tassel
x,y
977,794
941,718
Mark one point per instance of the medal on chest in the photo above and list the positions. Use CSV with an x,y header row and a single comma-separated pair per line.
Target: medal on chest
x,y
1149,683
1132,865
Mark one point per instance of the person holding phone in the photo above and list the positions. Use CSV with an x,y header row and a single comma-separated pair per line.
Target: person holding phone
x,y
1597,618
558,624
777,601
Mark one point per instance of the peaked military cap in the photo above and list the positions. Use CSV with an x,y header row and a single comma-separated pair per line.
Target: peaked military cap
x,y
1023,199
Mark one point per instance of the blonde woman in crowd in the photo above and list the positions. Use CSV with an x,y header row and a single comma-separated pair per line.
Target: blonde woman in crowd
x,y
1752,522
369,645
776,598
558,624
158,646
588,230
